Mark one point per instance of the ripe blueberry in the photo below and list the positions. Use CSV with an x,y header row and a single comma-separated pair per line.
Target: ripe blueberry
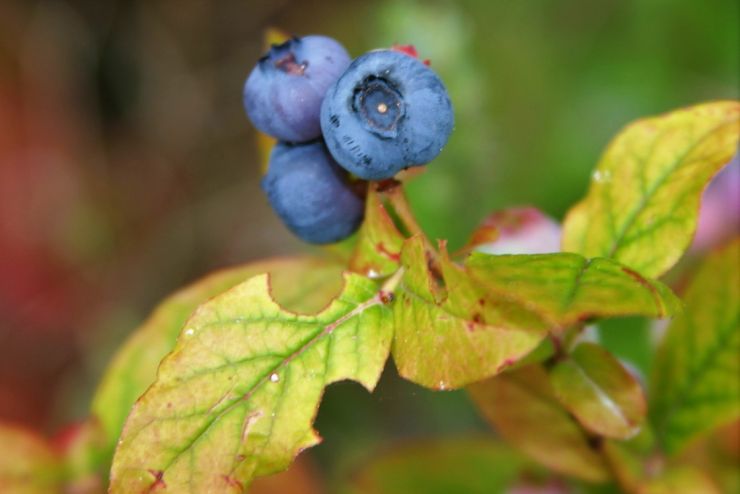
x,y
311,194
387,112
283,93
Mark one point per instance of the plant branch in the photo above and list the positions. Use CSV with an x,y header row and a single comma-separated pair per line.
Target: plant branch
x,y
397,199
626,482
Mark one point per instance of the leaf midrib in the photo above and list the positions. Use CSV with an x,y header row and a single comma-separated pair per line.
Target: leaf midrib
x,y
302,348
679,397
632,217
611,405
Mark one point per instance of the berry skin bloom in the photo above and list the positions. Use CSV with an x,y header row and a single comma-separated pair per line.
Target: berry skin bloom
x,y
311,194
387,112
283,93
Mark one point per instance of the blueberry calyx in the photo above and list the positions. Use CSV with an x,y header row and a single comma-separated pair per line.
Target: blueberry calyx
x,y
380,105
282,57
387,112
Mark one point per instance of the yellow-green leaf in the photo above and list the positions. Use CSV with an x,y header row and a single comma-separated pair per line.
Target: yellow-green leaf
x,y
237,396
695,385
604,397
679,480
642,206
445,339
378,250
28,464
521,405
566,288
303,283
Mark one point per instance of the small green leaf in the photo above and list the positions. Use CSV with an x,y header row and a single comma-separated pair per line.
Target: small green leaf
x,y
134,367
28,464
237,396
440,467
521,405
445,339
378,250
695,385
599,392
566,288
643,203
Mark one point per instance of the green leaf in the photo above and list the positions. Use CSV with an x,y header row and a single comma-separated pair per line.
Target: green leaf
x,y
643,203
695,385
378,250
28,464
445,339
522,406
604,397
237,396
467,465
461,325
134,367
680,479
566,288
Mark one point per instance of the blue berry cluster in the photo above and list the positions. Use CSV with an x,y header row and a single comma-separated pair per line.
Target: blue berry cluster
x,y
372,117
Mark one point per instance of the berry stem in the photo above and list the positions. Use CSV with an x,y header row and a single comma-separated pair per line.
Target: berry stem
x,y
626,482
397,198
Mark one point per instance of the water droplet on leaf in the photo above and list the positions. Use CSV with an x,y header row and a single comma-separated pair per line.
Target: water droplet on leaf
x,y
602,176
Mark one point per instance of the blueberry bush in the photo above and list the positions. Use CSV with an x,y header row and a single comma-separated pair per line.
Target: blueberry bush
x,y
222,384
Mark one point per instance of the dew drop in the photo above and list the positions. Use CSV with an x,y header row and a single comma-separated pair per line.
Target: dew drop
x,y
371,273
442,386
274,377
601,177
189,332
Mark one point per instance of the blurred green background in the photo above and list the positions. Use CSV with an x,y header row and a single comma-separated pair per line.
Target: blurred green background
x,y
128,168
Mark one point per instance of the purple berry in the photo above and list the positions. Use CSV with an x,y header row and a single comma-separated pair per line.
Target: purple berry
x,y
387,112
311,193
283,93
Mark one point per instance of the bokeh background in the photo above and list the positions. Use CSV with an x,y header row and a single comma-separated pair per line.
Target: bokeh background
x,y
128,168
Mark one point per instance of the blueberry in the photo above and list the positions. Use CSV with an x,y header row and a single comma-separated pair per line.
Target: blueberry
x,y
283,93
387,112
311,194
